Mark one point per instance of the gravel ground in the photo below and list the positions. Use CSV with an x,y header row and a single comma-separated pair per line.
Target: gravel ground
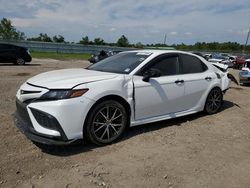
x,y
193,151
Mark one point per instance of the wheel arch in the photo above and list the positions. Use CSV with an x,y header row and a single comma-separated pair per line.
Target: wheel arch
x,y
214,87
117,98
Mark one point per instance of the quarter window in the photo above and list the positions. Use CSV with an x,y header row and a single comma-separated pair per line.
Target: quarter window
x,y
191,64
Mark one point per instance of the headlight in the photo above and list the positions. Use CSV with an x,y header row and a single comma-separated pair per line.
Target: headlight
x,y
63,94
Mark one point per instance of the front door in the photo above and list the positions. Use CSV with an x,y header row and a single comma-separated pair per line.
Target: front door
x,y
162,95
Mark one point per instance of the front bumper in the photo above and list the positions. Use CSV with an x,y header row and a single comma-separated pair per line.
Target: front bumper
x,y
24,124
31,134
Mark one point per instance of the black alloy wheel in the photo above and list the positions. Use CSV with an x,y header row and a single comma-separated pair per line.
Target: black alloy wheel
x,y
214,101
20,61
106,122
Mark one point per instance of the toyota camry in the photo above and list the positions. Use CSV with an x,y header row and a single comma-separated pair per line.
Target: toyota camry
x,y
127,89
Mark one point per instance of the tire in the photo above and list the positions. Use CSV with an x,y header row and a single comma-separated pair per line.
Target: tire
x,y
20,61
106,122
214,101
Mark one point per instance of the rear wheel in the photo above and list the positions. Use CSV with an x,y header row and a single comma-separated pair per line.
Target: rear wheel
x,y
20,61
106,122
214,101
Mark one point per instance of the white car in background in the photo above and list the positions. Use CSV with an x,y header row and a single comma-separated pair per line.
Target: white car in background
x,y
221,58
244,74
127,89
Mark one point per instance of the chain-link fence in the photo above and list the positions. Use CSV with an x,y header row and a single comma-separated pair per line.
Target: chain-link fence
x,y
64,47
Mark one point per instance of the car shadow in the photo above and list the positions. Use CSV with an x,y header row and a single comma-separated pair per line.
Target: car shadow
x,y
14,65
245,85
228,104
236,88
81,146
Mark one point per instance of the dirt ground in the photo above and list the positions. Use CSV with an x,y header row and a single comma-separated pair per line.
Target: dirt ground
x,y
193,151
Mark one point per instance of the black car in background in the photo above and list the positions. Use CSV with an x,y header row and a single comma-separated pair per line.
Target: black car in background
x,y
14,54
102,55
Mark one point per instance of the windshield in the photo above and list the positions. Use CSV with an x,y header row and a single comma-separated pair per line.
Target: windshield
x,y
122,63
217,56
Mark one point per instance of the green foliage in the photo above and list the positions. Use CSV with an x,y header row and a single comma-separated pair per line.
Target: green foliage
x,y
99,41
9,32
138,45
157,45
85,40
211,46
58,39
123,41
43,37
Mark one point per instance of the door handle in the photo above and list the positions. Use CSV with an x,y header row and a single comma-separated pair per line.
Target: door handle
x,y
208,78
179,81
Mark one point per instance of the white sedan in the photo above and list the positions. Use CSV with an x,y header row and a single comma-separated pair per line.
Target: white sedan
x,y
128,89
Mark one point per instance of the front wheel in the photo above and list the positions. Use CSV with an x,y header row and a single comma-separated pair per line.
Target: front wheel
x,y
106,122
214,101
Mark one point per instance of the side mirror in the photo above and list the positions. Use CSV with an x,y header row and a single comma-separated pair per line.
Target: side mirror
x,y
150,73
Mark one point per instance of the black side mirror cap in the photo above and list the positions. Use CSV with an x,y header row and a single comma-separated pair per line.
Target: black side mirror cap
x,y
151,73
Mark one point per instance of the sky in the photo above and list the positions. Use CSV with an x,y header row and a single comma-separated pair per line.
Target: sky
x,y
146,21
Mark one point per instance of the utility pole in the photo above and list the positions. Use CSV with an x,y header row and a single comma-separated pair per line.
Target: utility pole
x,y
247,40
165,39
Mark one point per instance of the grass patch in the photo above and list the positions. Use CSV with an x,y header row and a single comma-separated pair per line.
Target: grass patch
x,y
60,56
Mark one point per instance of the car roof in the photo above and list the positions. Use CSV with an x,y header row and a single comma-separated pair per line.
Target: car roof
x,y
159,52
4,44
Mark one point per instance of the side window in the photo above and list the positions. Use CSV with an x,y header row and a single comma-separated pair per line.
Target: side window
x,y
167,65
191,64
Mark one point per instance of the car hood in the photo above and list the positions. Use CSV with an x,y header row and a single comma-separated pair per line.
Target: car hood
x,y
68,78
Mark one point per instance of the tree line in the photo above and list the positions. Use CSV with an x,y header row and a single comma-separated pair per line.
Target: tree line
x,y
9,32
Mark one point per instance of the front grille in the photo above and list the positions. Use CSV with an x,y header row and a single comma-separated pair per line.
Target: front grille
x,y
22,111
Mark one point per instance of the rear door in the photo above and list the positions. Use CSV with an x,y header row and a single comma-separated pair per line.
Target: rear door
x,y
161,95
197,80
